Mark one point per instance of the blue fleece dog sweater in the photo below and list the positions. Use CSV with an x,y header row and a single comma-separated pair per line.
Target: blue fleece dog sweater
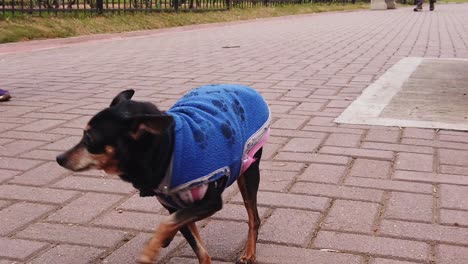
x,y
215,128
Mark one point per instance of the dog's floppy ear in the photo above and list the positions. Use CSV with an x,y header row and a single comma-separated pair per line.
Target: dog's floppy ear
x,y
154,124
123,96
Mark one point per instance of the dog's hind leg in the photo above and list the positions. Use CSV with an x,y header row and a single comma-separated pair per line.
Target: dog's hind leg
x,y
248,185
192,236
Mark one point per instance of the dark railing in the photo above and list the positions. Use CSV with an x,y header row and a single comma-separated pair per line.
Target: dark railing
x,y
105,6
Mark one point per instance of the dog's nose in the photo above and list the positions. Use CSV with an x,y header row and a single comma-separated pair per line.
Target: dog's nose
x,y
61,160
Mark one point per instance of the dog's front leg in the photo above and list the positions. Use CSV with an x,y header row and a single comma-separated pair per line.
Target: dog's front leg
x,y
169,227
166,230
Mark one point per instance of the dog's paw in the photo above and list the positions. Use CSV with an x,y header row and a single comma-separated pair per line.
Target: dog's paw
x,y
245,261
144,260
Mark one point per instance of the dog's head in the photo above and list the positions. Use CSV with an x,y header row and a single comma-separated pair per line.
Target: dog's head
x,y
113,132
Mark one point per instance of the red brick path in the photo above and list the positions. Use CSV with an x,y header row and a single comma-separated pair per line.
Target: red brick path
x,y
330,194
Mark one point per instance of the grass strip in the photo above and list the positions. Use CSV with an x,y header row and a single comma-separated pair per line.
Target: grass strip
x,y
24,27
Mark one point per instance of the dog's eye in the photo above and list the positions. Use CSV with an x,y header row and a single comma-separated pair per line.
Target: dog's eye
x,y
87,139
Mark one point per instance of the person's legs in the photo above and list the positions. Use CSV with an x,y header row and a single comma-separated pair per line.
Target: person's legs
x,y
419,4
4,95
431,5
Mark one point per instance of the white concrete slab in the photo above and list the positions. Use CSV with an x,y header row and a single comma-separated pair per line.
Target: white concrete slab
x,y
415,92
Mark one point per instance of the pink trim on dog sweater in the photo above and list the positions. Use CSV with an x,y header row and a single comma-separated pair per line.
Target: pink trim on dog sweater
x,y
250,155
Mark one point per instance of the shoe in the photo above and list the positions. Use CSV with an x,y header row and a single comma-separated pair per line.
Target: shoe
x,y
418,8
431,7
4,95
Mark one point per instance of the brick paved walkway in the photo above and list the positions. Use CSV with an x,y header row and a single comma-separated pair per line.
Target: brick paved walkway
x,y
330,194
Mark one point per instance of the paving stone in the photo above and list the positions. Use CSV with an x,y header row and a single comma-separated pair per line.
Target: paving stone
x,y
142,204
341,130
7,174
71,254
310,107
94,184
130,251
451,254
390,185
338,104
351,216
417,176
358,153
302,145
19,248
80,122
370,168
15,112
453,217
4,204
6,126
312,158
19,146
411,132
453,169
236,212
422,142
281,166
84,208
397,147
58,233
280,109
297,133
323,173
426,232
453,157
41,175
334,191
178,260
40,125
383,135
35,194
432,143
40,154
4,141
31,135
58,116
343,140
17,164
223,247
415,162
63,144
453,197
130,220
279,254
288,123
270,150
410,206
389,261
276,180
454,138
373,245
67,131
297,227
272,199
321,121
20,214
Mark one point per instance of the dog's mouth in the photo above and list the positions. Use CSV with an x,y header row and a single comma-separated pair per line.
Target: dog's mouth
x,y
80,169
78,159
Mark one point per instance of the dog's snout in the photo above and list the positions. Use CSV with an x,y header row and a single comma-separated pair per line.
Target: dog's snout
x,y
61,160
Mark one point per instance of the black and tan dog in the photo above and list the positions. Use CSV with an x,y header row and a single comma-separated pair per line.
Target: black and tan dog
x,y
186,156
